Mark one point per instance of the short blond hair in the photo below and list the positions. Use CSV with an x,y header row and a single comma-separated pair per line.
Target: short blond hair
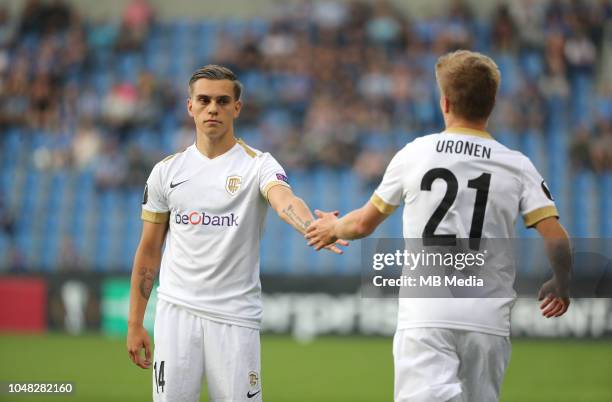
x,y
469,80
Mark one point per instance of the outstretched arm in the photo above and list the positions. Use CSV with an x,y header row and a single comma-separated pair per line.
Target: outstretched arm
x,y
295,212
554,294
354,225
144,271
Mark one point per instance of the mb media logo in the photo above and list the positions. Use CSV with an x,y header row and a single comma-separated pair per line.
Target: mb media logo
x,y
202,218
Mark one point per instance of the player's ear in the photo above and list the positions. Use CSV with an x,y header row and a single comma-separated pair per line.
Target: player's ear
x,y
237,108
444,104
189,106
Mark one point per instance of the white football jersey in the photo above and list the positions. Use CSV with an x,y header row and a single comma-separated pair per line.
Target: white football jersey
x,y
462,182
216,210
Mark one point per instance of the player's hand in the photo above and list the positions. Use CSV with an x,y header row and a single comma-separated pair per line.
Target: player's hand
x,y
334,247
320,234
138,339
554,297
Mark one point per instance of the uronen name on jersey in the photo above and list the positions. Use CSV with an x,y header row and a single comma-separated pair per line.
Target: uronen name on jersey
x,y
463,184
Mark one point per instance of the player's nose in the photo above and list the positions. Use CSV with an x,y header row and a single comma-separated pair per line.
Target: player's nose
x,y
212,108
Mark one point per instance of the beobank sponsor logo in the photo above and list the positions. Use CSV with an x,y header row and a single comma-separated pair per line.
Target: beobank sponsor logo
x,y
204,219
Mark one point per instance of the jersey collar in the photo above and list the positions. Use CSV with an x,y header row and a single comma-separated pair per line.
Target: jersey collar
x,y
468,131
203,157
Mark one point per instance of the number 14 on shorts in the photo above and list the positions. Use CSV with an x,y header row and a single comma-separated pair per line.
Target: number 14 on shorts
x,y
159,376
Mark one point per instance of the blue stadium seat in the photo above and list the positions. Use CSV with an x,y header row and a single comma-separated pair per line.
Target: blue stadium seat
x,y
102,82
580,101
57,190
276,246
13,144
257,27
131,227
24,241
128,67
509,70
582,189
4,252
206,39
533,145
50,249
605,202
234,28
31,190
532,64
482,36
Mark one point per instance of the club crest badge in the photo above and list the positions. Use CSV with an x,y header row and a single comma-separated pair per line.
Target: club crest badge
x,y
253,379
232,184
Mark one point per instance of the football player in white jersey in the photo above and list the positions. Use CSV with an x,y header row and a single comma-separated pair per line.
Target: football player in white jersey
x,y
459,183
208,203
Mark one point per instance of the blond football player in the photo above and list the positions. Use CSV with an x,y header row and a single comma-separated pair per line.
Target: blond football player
x,y
460,183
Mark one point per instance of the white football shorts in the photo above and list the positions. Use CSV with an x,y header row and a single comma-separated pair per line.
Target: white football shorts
x,y
449,365
189,349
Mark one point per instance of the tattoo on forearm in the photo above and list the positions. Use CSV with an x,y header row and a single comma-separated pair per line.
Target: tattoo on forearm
x,y
146,282
299,222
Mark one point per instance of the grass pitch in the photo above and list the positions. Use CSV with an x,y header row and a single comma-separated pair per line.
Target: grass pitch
x,y
331,369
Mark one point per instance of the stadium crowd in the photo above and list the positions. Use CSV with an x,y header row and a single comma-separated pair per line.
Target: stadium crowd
x,y
332,90
332,83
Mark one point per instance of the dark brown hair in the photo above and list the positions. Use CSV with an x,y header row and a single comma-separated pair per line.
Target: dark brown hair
x,y
469,80
215,72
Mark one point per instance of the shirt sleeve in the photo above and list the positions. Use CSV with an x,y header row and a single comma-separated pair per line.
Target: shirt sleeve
x,y
154,201
536,202
270,175
388,196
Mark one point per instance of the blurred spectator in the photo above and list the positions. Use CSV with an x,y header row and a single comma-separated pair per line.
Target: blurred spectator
x,y
580,53
31,18
69,258
326,134
139,166
376,84
580,154
504,30
148,102
101,39
56,17
43,105
135,25
458,30
601,147
14,98
119,108
529,16
599,15
74,52
7,30
111,167
369,166
329,14
86,145
384,27
185,134
554,83
7,221
593,150
531,109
